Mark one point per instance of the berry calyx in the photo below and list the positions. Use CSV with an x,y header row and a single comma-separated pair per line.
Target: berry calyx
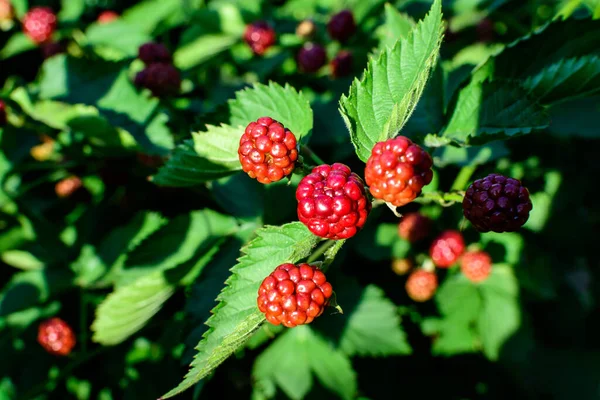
x,y
311,57
294,295
306,29
332,202
476,265
3,117
66,187
401,266
267,150
397,170
447,248
341,26
497,203
414,227
56,336
421,285
161,79
152,52
39,24
107,16
341,65
260,36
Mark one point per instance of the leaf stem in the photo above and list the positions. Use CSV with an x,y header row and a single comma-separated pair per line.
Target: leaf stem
x,y
444,199
311,154
462,179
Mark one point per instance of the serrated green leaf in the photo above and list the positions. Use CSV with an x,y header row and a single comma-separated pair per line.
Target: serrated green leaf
x,y
378,106
565,79
120,36
202,49
186,168
467,156
236,316
128,308
373,328
282,103
458,299
488,111
396,26
219,145
450,337
149,14
292,358
584,111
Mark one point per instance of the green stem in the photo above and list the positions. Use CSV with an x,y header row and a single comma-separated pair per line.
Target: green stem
x,y
320,251
311,154
445,199
462,179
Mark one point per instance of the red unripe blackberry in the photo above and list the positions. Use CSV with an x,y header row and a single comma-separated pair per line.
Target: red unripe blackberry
x,y
152,52
497,203
56,337
6,11
397,170
311,57
341,65
447,248
267,150
294,295
260,36
421,285
39,24
341,26
332,202
160,78
3,117
66,187
107,16
476,265
414,227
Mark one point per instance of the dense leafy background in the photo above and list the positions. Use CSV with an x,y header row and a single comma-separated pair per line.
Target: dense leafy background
x,y
156,267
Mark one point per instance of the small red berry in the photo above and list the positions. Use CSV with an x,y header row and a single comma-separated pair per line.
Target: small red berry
x,y
476,265
332,202
306,29
414,227
397,170
267,150
294,295
401,266
6,11
341,65
50,49
311,57
341,26
56,337
107,16
3,117
260,36
497,203
152,52
66,187
447,248
160,78
421,285
39,24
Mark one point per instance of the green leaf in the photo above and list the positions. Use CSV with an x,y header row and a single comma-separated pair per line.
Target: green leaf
x,y
22,260
150,13
119,36
471,155
18,43
583,110
177,242
202,49
458,299
290,361
186,168
283,104
565,79
397,26
500,317
219,145
373,328
488,111
71,10
236,316
378,106
128,308
380,241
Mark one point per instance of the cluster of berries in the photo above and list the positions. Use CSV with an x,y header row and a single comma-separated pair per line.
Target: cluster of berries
x,y
333,204
160,75
311,57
